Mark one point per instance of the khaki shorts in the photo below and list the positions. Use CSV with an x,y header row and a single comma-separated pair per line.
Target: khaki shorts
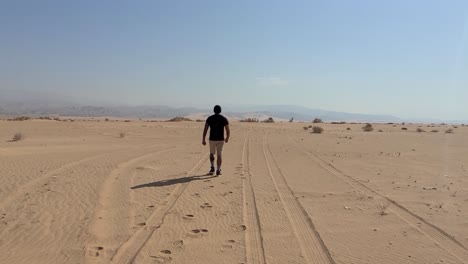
x,y
216,147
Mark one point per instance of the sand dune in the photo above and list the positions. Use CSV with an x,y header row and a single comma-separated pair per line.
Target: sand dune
x,y
78,192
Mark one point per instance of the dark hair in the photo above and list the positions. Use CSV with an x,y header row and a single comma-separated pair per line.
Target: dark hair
x,y
217,109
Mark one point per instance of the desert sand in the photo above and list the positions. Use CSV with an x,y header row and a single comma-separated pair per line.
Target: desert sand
x,y
80,192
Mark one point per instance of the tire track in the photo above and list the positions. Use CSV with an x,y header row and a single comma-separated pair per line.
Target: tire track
x,y
30,185
432,232
130,249
312,246
253,237
111,202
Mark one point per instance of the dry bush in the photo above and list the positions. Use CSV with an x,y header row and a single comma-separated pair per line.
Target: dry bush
x,y
383,209
200,120
107,119
122,135
420,130
179,119
317,120
306,128
449,131
269,120
127,121
250,120
18,136
317,130
20,118
434,131
404,128
368,127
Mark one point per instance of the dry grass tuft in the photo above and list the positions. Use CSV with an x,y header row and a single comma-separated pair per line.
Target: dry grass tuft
x,y
179,119
317,130
404,128
317,120
18,136
19,118
449,131
250,120
122,135
383,209
269,120
420,130
368,127
306,128
434,131
348,128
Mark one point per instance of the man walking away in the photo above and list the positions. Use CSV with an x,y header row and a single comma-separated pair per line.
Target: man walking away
x,y
217,123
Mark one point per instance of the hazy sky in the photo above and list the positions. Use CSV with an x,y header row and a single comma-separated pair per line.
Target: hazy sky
x,y
406,58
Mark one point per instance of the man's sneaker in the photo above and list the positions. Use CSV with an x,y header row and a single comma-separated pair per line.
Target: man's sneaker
x,y
211,171
218,172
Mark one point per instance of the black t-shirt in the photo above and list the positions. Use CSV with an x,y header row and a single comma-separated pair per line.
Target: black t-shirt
x,y
217,123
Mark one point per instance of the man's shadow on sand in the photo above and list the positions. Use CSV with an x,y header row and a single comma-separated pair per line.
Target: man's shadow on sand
x,y
174,181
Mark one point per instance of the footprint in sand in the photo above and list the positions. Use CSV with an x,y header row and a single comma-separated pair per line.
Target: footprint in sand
x,y
188,216
161,259
206,205
178,243
229,243
239,228
96,251
197,232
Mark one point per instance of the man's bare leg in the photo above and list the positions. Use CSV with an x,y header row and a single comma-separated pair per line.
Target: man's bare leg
x,y
219,161
212,158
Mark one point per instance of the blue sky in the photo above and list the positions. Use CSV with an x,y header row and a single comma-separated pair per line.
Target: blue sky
x,y
406,58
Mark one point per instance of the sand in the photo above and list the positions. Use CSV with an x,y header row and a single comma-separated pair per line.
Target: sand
x,y
78,192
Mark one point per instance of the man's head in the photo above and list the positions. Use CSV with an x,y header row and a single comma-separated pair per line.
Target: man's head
x,y
217,109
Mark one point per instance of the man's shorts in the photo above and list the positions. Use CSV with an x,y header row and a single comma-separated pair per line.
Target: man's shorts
x,y
216,147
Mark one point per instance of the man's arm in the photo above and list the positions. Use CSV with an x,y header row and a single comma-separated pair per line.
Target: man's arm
x,y
204,133
228,133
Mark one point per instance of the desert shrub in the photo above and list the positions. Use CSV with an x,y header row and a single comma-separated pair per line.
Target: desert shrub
x,y
434,131
249,120
44,118
380,130
20,118
121,134
317,120
127,121
368,127
449,131
404,128
317,130
383,209
305,128
420,130
179,119
107,119
269,120
18,136
348,128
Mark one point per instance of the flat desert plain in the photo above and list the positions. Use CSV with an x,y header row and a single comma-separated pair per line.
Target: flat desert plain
x,y
137,192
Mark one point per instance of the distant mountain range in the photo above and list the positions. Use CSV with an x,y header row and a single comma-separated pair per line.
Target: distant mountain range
x,y
13,103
